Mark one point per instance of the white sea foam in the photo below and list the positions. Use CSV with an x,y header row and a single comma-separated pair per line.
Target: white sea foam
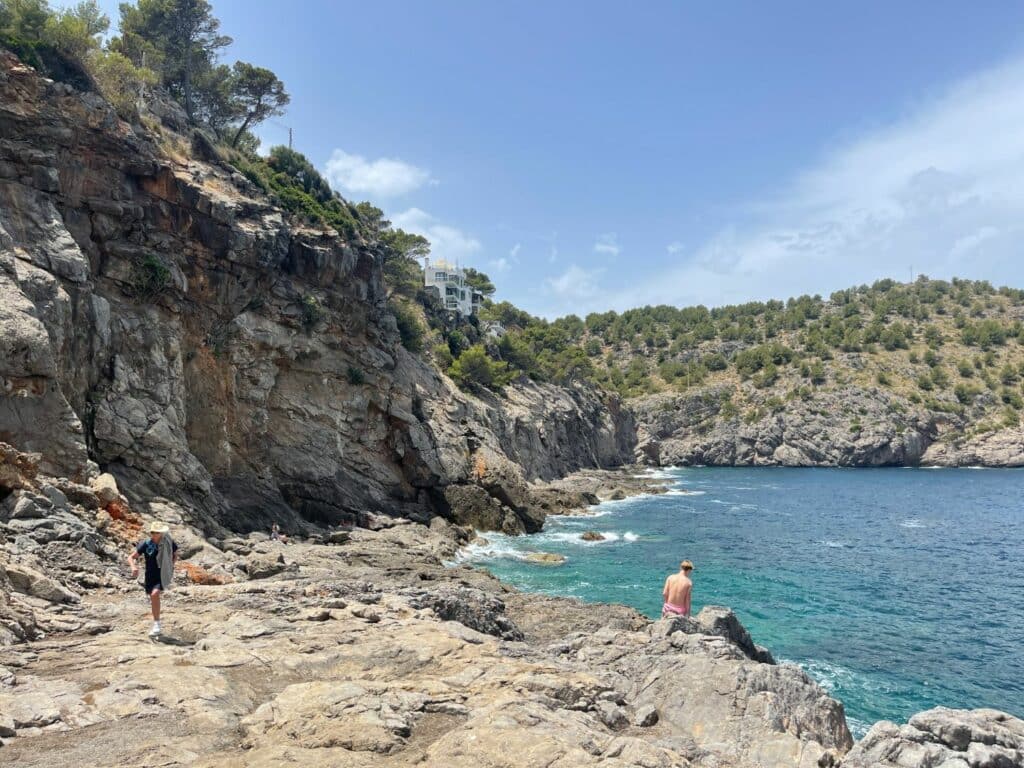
x,y
656,474
828,675
834,544
912,522
575,537
492,546
683,492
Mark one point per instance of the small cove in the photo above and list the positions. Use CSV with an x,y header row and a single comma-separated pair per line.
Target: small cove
x,y
897,589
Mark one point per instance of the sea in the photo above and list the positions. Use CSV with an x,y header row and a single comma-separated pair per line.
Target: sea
x,y
896,589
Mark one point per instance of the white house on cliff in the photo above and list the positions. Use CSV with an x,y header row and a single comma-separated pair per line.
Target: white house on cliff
x,y
449,281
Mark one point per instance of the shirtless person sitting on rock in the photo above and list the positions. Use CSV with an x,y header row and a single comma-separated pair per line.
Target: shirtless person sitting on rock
x,y
677,592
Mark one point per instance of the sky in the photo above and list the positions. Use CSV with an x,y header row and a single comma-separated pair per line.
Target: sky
x,y
591,155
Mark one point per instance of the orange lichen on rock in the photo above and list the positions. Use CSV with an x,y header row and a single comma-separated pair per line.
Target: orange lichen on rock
x,y
479,468
124,524
199,575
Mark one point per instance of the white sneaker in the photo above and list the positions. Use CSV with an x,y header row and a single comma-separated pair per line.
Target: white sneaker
x,y
155,630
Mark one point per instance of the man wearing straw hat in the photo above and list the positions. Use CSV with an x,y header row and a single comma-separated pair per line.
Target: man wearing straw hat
x,y
160,552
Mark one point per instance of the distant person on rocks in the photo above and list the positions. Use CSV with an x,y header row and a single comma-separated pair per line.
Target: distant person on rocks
x,y
160,553
677,592
276,535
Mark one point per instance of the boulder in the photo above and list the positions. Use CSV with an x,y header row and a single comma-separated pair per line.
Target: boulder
x,y
545,558
55,495
473,506
668,626
717,620
29,581
592,536
944,738
470,607
262,566
612,715
645,716
105,488
28,506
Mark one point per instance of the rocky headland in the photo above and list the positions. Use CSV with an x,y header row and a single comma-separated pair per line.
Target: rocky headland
x,y
850,427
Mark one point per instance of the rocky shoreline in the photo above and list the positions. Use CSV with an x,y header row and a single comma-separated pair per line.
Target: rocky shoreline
x,y
577,492
367,649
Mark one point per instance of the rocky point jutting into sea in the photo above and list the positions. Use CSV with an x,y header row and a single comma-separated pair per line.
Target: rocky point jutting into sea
x,y
219,406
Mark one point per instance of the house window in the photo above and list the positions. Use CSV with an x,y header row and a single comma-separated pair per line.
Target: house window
x,y
441,277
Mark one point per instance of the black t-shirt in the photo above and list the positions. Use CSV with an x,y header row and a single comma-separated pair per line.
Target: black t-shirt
x,y
148,548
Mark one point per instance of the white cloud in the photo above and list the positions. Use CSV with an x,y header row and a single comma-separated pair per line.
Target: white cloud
x,y
675,248
384,177
446,242
939,189
503,263
575,283
607,244
972,242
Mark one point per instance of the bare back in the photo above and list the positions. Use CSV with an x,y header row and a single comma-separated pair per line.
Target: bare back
x,y
678,589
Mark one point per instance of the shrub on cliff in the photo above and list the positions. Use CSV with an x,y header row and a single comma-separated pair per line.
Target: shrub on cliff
x,y
121,82
475,368
299,187
410,330
57,43
150,277
312,311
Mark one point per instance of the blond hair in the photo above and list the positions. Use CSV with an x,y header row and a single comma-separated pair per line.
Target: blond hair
x,y
686,565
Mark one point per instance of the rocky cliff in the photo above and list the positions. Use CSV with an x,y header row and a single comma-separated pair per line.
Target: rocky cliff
x,y
163,320
846,427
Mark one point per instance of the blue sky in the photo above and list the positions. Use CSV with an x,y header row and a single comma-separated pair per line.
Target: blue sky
x,y
594,155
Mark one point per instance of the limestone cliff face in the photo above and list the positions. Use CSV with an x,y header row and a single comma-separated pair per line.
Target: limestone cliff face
x,y
223,390
846,428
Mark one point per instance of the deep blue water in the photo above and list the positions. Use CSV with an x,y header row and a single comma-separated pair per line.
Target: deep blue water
x,y
897,589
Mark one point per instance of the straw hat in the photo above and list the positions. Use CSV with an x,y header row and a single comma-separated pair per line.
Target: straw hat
x,y
158,527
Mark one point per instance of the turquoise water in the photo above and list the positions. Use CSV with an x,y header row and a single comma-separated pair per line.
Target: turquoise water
x,y
897,589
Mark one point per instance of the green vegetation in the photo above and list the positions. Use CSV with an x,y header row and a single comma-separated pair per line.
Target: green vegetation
x,y
294,182
409,328
312,311
913,341
173,43
150,277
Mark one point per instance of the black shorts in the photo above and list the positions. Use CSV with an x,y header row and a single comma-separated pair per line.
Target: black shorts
x,y
149,586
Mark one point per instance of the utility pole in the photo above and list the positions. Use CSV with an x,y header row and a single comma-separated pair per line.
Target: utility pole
x,y
290,147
